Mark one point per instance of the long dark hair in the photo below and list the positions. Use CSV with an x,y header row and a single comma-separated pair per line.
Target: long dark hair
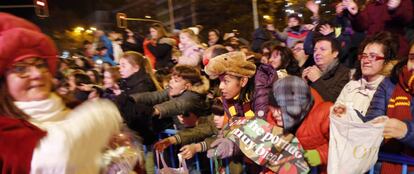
x,y
397,70
217,32
161,31
246,92
7,107
288,60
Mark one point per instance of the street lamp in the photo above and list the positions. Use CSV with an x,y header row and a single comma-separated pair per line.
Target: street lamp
x,y
267,17
41,8
79,30
255,14
171,13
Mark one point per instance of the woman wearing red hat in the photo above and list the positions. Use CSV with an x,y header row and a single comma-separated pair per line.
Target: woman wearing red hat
x,y
38,133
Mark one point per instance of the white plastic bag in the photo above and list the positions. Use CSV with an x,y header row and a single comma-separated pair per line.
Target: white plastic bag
x,y
353,144
182,166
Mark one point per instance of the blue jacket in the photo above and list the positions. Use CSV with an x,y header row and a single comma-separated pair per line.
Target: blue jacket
x,y
104,58
108,44
378,107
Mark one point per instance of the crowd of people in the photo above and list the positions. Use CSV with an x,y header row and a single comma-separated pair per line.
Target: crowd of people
x,y
63,115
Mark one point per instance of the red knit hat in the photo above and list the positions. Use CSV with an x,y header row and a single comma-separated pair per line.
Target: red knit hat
x,y
9,21
20,41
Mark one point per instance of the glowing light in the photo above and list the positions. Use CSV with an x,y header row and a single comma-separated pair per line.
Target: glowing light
x,y
267,17
148,17
40,3
79,29
93,28
289,11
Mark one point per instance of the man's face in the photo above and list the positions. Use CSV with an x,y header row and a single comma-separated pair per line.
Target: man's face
x,y
323,54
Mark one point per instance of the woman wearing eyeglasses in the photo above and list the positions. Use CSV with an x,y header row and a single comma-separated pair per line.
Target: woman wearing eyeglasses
x,y
394,98
376,52
38,133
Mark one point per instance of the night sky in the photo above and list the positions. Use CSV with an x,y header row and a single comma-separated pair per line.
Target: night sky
x,y
63,13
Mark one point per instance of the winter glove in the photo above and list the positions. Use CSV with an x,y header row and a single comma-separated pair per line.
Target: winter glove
x,y
313,158
164,143
221,148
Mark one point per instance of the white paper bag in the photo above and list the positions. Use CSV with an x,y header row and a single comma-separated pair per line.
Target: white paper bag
x,y
353,145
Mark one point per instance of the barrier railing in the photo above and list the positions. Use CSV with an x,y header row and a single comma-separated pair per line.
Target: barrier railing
x,y
405,161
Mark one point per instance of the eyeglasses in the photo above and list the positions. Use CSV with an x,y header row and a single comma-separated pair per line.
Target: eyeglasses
x,y
297,49
22,69
370,57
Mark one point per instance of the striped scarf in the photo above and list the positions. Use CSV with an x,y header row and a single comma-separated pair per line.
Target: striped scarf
x,y
399,108
400,101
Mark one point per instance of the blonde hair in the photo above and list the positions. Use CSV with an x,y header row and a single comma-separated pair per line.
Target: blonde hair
x,y
191,35
135,58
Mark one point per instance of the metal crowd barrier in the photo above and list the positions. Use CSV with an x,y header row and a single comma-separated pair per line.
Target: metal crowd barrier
x,y
405,161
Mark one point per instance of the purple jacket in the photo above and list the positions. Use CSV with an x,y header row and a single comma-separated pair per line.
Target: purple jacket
x,y
263,81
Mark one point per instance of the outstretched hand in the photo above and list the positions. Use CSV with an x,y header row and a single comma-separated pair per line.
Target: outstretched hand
x,y
221,148
351,6
161,145
313,7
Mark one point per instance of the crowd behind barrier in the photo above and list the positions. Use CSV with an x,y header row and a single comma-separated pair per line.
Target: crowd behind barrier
x,y
405,161
224,105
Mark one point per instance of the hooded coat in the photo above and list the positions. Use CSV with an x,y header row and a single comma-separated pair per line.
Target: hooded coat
x,y
143,104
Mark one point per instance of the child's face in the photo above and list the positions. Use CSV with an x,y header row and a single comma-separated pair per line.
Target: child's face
x,y
185,38
277,115
177,85
212,36
218,121
126,69
108,81
275,59
188,121
230,86
293,22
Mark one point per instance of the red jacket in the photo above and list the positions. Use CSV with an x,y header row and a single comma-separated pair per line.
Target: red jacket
x,y
148,53
313,133
376,17
18,139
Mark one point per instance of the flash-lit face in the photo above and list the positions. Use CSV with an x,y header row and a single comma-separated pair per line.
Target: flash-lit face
x,y
126,69
323,54
177,85
292,22
277,115
371,68
212,37
29,80
153,33
230,86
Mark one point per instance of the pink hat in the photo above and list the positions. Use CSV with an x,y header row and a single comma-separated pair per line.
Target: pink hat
x,y
18,43
20,40
9,21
